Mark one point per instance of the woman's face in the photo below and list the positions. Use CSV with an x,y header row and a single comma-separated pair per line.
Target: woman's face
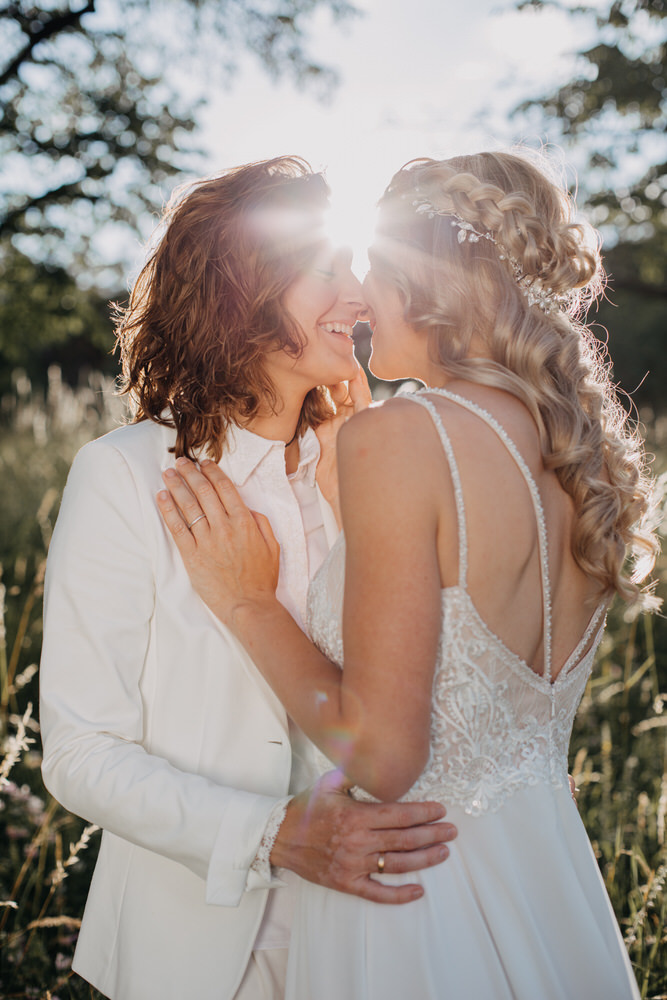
x,y
325,301
396,346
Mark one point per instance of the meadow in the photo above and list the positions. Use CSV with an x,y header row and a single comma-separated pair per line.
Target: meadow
x,y
618,752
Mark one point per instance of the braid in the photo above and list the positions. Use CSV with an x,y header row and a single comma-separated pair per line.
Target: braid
x,y
552,363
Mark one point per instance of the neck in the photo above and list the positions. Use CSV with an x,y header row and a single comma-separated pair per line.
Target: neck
x,y
438,377
276,426
280,426
433,375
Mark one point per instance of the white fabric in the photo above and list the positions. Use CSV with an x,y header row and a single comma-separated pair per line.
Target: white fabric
x,y
519,910
304,487
275,929
264,977
262,860
156,724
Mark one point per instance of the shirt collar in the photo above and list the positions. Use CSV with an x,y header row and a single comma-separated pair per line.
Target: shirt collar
x,y
309,456
246,451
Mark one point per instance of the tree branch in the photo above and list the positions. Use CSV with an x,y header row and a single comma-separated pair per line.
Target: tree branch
x,y
58,23
69,190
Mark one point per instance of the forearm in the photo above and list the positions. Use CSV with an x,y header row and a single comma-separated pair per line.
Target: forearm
x,y
310,687
96,763
144,799
99,764
232,561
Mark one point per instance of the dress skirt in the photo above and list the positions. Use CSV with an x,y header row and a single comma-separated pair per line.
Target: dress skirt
x,y
518,911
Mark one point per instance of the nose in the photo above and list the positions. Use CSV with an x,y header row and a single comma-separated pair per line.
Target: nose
x,y
350,290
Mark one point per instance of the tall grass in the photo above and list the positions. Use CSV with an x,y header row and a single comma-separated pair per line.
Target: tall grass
x,y
619,762
46,854
619,746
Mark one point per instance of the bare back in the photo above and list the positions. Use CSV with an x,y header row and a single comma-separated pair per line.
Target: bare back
x,y
504,578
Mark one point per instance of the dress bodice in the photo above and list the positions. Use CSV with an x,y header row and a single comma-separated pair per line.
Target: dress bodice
x,y
496,725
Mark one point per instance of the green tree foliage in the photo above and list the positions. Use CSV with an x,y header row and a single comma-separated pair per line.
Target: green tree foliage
x,y
46,318
98,105
615,112
93,115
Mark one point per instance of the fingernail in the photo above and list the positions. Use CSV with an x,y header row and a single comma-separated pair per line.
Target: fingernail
x,y
163,495
182,460
443,852
206,461
170,473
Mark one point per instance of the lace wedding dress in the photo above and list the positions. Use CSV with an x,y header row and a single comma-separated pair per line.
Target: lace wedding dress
x,y
519,910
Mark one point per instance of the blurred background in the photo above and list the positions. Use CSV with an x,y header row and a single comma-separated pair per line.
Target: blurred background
x,y
107,105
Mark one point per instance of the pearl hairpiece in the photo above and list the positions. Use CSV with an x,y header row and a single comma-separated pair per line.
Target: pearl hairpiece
x,y
537,294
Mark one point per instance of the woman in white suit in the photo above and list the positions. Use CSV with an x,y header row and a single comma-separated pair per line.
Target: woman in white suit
x,y
156,724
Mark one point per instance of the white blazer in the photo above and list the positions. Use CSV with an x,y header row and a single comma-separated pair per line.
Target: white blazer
x,y
157,727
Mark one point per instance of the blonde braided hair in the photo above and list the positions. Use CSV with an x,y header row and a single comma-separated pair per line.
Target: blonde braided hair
x,y
455,291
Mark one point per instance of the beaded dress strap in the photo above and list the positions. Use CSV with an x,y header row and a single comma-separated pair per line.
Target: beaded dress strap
x,y
456,481
575,656
537,504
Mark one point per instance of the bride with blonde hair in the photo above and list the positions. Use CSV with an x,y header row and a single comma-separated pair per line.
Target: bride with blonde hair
x,y
488,520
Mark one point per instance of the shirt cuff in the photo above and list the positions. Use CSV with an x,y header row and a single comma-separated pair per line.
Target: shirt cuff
x,y
261,865
240,829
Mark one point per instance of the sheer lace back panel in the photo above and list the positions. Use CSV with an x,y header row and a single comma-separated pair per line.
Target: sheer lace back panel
x,y
496,725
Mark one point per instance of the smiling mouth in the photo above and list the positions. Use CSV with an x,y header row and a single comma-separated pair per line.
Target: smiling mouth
x,y
343,329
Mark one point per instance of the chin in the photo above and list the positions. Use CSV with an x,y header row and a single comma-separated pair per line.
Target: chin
x,y
383,370
344,373
336,375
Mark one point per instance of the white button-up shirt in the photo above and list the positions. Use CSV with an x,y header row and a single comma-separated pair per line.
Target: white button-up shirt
x,y
257,465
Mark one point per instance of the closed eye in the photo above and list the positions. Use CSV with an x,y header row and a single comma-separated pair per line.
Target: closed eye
x,y
327,275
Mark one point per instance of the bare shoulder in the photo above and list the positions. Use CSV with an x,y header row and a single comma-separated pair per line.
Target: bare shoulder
x,y
391,467
394,430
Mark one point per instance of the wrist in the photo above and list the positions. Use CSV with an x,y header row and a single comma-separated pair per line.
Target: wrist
x,y
281,851
247,612
263,863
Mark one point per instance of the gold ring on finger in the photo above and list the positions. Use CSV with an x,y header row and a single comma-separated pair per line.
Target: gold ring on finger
x,y
380,863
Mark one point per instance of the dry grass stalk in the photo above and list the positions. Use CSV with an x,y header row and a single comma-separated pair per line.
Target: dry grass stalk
x,y
15,745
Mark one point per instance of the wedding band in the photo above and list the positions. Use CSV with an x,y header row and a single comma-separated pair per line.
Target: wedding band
x,y
380,863
195,521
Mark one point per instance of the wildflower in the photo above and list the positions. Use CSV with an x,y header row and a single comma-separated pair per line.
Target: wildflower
x,y
16,832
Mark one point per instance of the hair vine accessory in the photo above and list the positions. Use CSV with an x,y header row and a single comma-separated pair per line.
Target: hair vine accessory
x,y
535,291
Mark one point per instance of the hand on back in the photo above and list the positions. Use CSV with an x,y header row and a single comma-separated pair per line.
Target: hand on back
x,y
332,840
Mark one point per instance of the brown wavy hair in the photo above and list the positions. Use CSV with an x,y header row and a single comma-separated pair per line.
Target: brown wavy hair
x,y
455,291
207,305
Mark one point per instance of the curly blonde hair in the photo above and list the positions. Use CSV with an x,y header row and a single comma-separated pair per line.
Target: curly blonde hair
x,y
208,305
552,363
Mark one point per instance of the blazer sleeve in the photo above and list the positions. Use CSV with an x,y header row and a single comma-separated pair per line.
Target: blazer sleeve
x,y
98,606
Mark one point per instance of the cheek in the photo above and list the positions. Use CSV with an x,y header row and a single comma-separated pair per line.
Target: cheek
x,y
321,304
388,349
